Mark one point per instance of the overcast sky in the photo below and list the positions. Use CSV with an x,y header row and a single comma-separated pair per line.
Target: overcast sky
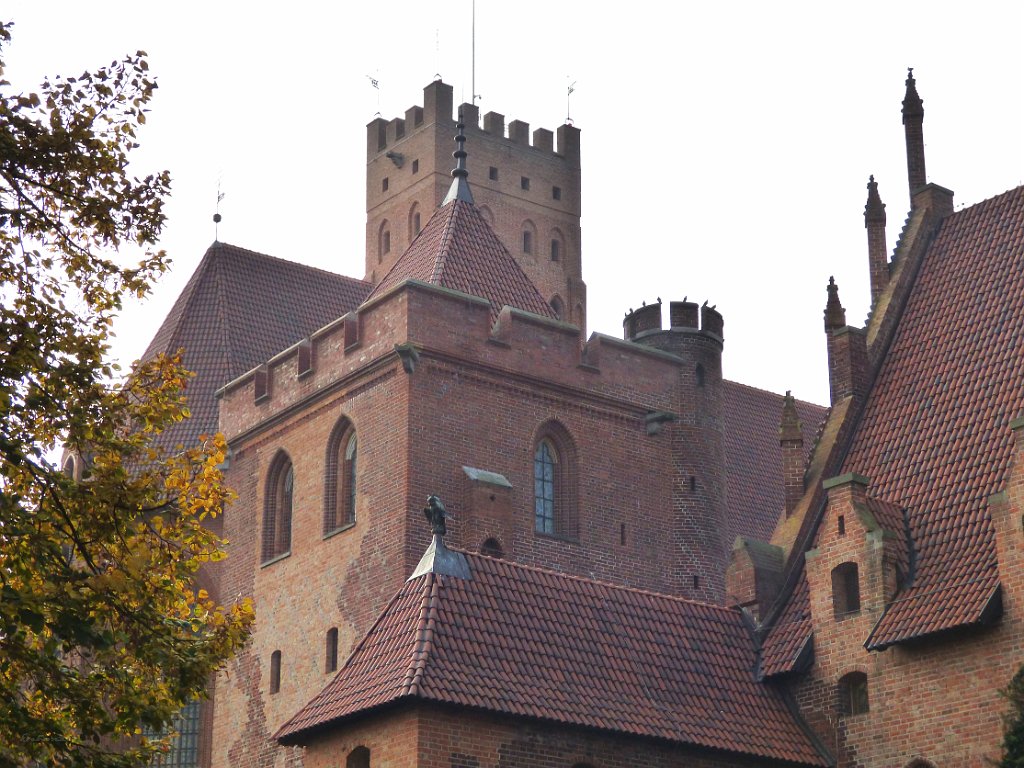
x,y
726,146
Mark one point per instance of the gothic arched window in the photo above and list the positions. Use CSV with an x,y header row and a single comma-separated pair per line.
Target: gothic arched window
x,y
277,508
340,480
554,497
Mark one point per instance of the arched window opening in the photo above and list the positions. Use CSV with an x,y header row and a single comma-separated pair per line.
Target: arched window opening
x,y
558,307
557,247
358,758
183,750
69,467
414,221
554,496
492,548
853,694
383,240
275,672
331,651
340,478
277,509
529,236
845,590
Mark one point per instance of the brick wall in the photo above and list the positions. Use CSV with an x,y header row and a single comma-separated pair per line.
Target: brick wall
x,y
452,738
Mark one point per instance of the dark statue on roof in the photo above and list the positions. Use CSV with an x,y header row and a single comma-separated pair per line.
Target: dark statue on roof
x,y
436,514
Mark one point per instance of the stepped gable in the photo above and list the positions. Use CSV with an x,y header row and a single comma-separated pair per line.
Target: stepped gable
x,y
753,459
520,641
239,309
935,434
457,249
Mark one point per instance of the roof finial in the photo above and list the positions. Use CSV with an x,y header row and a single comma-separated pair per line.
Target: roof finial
x,y
216,215
459,189
436,515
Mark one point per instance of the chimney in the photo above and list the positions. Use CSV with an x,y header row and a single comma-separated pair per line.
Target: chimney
x,y
913,118
874,222
847,351
791,438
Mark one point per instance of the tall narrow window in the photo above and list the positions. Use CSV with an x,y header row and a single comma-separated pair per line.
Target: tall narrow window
x,y
555,250
527,241
340,479
183,751
331,656
554,496
557,307
845,590
545,460
275,672
383,240
277,509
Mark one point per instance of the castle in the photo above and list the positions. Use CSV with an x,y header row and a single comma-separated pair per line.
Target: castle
x,y
641,563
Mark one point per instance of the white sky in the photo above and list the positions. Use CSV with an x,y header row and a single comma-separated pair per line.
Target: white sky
x,y
726,145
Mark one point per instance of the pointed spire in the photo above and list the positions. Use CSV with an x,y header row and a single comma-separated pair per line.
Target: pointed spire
x,y
789,426
835,315
874,210
459,189
791,440
878,261
913,106
913,119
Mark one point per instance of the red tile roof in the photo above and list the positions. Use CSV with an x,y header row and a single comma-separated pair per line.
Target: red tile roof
x,y
457,249
753,458
935,434
521,641
239,309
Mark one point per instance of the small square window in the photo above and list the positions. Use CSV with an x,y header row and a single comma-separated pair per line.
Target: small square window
x,y
415,166
524,182
492,173
384,184
556,193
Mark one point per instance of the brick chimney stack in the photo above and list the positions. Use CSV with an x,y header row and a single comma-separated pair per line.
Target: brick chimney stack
x,y
913,118
874,222
847,351
791,438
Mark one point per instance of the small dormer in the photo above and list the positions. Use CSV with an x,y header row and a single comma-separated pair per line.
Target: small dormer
x,y
861,560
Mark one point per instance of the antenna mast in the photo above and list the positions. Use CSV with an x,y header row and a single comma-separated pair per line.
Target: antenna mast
x,y
568,95
472,81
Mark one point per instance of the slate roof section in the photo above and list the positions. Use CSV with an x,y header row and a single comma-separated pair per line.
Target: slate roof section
x,y
525,642
789,634
753,458
238,310
457,249
935,435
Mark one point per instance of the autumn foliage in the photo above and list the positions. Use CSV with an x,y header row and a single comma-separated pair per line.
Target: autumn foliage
x,y
104,633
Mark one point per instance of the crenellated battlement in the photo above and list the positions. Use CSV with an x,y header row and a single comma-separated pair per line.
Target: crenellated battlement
x,y
683,315
438,109
415,321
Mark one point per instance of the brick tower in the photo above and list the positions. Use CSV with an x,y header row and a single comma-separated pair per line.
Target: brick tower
x,y
529,191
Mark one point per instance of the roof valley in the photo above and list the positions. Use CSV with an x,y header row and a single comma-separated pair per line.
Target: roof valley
x,y
424,642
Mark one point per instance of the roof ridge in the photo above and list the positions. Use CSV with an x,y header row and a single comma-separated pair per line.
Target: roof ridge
x,y
599,582
772,392
259,254
444,248
424,643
